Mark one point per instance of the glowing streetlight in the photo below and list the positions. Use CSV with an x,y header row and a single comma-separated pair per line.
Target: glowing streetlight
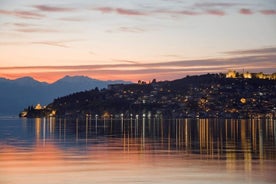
x,y
243,100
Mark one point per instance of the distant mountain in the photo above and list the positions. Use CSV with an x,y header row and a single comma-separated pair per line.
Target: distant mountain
x,y
18,94
80,83
28,81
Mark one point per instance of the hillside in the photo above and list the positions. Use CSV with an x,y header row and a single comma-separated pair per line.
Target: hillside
x,y
210,95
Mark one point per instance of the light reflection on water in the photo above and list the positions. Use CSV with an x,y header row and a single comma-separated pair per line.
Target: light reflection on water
x,y
131,151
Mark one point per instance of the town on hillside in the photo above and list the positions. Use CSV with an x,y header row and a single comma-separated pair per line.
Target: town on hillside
x,y
230,95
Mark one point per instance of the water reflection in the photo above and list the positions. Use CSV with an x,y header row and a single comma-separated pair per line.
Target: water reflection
x,y
144,150
212,138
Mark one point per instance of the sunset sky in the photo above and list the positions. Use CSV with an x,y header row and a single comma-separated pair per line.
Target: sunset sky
x,y
135,39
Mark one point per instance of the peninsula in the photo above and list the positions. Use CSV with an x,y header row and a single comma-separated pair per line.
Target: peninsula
x,y
230,95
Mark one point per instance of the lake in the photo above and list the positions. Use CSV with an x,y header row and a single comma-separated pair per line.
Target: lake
x,y
52,150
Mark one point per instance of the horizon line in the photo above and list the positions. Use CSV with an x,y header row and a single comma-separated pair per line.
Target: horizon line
x,y
123,80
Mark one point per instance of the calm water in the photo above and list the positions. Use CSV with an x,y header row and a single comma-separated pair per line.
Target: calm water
x,y
137,151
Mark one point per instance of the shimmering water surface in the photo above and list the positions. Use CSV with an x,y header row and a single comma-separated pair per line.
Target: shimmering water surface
x,y
137,151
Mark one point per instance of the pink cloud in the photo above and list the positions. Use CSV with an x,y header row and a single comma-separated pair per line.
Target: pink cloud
x,y
216,12
268,12
121,11
129,12
47,8
245,11
105,9
207,5
172,12
186,12
22,14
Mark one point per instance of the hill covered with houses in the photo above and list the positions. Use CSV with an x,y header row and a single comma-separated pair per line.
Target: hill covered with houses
x,y
203,96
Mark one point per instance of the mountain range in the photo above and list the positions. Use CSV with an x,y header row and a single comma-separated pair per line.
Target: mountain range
x,y
22,92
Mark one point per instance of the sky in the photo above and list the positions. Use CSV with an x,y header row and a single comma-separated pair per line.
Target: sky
x,y
135,39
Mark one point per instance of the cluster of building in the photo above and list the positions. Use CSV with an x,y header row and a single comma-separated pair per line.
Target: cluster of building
x,y
247,75
225,98
205,96
37,111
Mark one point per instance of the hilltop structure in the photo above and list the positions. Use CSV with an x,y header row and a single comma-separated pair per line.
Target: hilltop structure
x,y
246,75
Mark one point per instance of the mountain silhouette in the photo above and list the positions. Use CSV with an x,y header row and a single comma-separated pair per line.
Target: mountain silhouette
x,y
22,92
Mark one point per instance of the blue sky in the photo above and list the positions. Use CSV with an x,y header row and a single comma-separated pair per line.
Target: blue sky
x,y
135,39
